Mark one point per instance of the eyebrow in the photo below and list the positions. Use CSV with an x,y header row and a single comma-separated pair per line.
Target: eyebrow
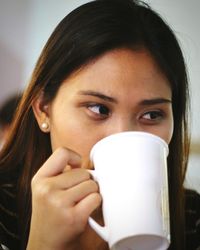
x,y
97,94
144,102
154,101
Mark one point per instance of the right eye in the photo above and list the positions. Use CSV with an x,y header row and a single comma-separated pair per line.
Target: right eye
x,y
99,110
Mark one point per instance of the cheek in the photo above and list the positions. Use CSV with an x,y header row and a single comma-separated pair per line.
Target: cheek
x,y
166,132
72,134
168,136
170,130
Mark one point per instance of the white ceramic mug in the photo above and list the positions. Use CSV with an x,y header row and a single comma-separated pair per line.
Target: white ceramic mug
x,y
131,170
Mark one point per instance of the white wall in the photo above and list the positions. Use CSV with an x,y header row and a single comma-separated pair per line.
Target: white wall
x,y
45,15
14,33
25,26
183,16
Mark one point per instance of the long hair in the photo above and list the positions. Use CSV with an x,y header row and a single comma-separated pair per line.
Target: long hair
x,y
86,33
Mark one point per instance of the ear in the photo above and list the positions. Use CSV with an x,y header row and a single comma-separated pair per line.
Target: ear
x,y
41,112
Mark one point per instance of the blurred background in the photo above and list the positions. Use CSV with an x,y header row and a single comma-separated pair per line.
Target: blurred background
x,y
25,26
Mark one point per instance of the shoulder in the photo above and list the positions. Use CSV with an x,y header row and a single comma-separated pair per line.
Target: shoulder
x,y
192,219
192,203
8,215
192,195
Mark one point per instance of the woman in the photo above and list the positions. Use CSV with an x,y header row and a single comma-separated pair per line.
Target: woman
x,y
109,66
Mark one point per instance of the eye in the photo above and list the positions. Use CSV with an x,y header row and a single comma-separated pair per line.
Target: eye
x,y
153,116
99,110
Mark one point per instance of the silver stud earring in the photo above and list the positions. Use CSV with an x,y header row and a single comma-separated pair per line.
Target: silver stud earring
x,y
45,126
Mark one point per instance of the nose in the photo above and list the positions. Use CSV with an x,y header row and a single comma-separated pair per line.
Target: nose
x,y
122,125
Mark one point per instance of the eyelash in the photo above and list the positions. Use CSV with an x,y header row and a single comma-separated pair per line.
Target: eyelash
x,y
157,114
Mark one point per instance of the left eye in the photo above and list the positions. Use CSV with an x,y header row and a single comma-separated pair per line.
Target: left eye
x,y
99,109
153,115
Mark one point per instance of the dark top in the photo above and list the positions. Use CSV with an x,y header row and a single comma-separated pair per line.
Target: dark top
x,y
192,220
8,217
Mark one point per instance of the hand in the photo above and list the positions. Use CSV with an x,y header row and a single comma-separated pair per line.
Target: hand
x,y
62,201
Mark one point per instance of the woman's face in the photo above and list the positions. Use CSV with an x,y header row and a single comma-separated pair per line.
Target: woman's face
x,y
123,90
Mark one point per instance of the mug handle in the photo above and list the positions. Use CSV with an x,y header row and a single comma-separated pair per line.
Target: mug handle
x,y
102,231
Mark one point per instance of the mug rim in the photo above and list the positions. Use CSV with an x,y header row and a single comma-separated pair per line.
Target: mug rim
x,y
127,133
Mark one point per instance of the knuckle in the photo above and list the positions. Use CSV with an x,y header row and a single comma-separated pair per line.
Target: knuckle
x,y
84,173
69,216
41,189
93,185
62,152
56,204
98,198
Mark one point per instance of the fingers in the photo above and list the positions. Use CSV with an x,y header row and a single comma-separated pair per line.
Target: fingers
x,y
53,177
86,206
79,192
58,161
70,178
66,194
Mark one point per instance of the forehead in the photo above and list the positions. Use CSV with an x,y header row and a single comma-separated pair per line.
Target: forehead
x,y
121,71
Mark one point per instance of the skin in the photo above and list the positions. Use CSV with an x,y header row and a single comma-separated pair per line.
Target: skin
x,y
123,90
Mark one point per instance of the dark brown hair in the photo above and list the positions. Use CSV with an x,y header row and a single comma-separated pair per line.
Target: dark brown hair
x,y
83,35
